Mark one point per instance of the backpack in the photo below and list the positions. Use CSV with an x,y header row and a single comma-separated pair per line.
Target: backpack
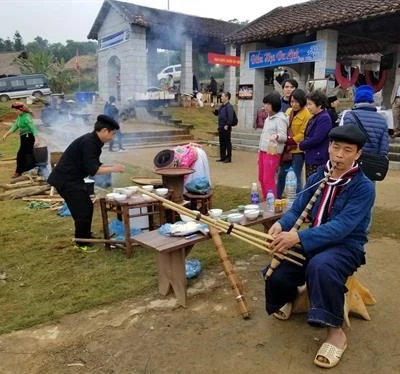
x,y
235,119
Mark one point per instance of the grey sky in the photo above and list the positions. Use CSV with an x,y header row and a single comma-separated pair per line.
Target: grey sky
x,y
60,20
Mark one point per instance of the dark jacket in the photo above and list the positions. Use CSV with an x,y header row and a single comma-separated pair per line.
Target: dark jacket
x,y
316,141
80,159
348,221
225,115
374,124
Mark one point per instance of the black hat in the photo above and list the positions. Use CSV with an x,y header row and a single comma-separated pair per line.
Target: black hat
x,y
109,121
349,133
332,99
164,158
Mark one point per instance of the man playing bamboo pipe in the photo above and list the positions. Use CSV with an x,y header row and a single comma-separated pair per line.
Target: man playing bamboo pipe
x,y
333,244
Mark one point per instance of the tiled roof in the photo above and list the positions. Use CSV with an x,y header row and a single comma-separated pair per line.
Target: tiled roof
x,y
156,18
313,15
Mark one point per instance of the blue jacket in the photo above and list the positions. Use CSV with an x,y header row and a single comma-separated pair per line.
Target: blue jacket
x,y
375,126
348,221
316,141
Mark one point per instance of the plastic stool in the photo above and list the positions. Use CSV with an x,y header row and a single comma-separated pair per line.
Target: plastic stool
x,y
202,203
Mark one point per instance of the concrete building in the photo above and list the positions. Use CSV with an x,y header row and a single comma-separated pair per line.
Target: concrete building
x,y
129,35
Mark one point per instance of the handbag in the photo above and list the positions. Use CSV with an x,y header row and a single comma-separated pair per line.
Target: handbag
x,y
374,166
290,145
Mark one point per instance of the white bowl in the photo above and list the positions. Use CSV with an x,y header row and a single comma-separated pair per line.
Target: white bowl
x,y
235,217
148,187
251,214
185,218
132,189
161,191
111,195
120,197
215,213
251,207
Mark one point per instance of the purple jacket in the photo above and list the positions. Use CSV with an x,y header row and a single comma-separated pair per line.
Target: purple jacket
x,y
316,141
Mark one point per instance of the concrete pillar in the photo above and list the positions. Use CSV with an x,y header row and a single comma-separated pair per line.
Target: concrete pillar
x,y
329,61
187,66
388,87
230,74
151,66
247,109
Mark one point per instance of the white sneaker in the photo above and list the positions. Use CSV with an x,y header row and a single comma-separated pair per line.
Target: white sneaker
x,y
122,150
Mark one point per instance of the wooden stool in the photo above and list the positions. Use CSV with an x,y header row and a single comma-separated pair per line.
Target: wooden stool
x,y
202,203
356,299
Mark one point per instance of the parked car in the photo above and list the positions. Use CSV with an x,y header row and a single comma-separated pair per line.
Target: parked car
x,y
19,86
175,70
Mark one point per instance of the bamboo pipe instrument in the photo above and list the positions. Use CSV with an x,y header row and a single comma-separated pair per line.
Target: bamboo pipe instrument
x,y
304,214
239,231
243,235
230,273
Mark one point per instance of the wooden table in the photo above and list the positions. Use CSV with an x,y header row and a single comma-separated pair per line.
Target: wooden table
x,y
172,251
146,206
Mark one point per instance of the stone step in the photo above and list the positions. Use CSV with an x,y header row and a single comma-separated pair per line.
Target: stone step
x,y
394,147
394,156
156,134
136,140
244,141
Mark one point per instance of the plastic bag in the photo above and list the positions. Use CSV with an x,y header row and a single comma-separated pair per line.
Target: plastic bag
x,y
64,211
117,230
192,268
199,186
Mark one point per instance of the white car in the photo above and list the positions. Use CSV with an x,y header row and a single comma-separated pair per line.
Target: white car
x,y
175,70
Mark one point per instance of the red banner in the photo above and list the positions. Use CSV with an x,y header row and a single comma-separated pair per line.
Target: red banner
x,y
216,58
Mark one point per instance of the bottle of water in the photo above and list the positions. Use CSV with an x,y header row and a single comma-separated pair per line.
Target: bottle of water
x,y
255,197
270,201
290,187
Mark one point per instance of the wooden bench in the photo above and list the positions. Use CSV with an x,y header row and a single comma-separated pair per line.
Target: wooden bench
x,y
171,254
356,299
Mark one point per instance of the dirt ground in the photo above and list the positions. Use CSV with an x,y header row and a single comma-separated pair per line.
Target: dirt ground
x,y
152,335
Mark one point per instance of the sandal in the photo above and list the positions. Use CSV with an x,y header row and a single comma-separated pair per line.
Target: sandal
x,y
331,353
284,313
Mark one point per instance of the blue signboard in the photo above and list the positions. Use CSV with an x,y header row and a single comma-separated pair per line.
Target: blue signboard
x,y
113,39
295,54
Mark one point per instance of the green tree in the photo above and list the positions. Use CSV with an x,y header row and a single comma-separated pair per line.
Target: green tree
x,y
46,63
39,44
60,79
18,43
36,63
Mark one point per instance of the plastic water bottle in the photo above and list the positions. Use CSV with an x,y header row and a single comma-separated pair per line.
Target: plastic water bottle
x,y
270,201
290,187
255,197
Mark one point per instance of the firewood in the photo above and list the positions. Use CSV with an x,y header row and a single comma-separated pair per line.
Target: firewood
x,y
47,200
21,192
11,186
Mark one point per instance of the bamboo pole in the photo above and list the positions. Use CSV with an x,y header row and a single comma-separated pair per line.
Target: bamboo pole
x,y
98,240
230,273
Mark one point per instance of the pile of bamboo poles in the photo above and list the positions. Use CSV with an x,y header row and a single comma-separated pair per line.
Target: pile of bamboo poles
x,y
253,237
